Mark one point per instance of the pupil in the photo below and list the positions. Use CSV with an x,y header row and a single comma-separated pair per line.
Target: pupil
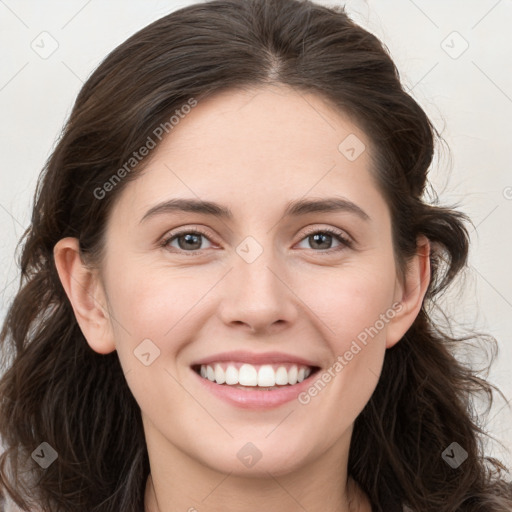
x,y
190,238
318,235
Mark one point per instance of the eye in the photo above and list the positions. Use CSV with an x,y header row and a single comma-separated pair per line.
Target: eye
x,y
188,240
321,238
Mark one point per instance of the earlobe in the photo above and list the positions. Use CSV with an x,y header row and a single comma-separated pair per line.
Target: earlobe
x,y
411,292
86,295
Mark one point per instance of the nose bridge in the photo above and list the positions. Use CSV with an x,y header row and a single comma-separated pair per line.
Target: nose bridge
x,y
255,270
257,294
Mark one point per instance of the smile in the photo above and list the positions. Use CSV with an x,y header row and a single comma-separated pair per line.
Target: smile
x,y
245,375
255,386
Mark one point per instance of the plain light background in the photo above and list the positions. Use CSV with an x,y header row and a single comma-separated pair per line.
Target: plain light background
x,y
454,57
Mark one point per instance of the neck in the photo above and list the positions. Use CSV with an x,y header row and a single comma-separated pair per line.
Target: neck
x,y
193,479
353,500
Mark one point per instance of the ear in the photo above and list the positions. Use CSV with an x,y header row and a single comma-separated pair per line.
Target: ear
x,y
85,292
410,292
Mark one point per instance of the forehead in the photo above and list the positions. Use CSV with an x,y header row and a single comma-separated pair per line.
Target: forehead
x,y
256,147
267,124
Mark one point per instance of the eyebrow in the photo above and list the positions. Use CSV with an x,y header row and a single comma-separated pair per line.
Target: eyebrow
x,y
293,208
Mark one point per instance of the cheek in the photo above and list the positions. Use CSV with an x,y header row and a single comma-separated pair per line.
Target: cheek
x,y
355,313
154,306
352,300
157,305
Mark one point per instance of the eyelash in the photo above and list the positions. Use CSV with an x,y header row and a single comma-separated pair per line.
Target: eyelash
x,y
338,235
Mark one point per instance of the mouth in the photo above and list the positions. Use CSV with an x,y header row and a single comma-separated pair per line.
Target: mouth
x,y
249,377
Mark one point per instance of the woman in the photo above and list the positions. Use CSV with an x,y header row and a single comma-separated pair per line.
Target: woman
x,y
181,342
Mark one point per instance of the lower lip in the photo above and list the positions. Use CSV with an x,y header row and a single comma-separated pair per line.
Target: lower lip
x,y
253,399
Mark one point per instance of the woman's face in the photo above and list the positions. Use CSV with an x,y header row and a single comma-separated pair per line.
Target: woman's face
x,y
258,281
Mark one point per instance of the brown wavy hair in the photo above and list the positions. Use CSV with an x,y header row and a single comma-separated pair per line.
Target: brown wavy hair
x,y
56,389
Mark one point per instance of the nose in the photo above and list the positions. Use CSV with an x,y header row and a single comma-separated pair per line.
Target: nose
x,y
257,296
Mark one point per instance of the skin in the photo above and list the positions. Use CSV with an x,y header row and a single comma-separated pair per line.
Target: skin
x,y
252,151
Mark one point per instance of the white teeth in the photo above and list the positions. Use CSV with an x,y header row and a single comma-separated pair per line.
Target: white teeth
x,y
281,376
266,376
231,375
220,376
248,375
292,375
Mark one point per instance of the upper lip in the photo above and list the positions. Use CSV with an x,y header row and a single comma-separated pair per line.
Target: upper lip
x,y
254,358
